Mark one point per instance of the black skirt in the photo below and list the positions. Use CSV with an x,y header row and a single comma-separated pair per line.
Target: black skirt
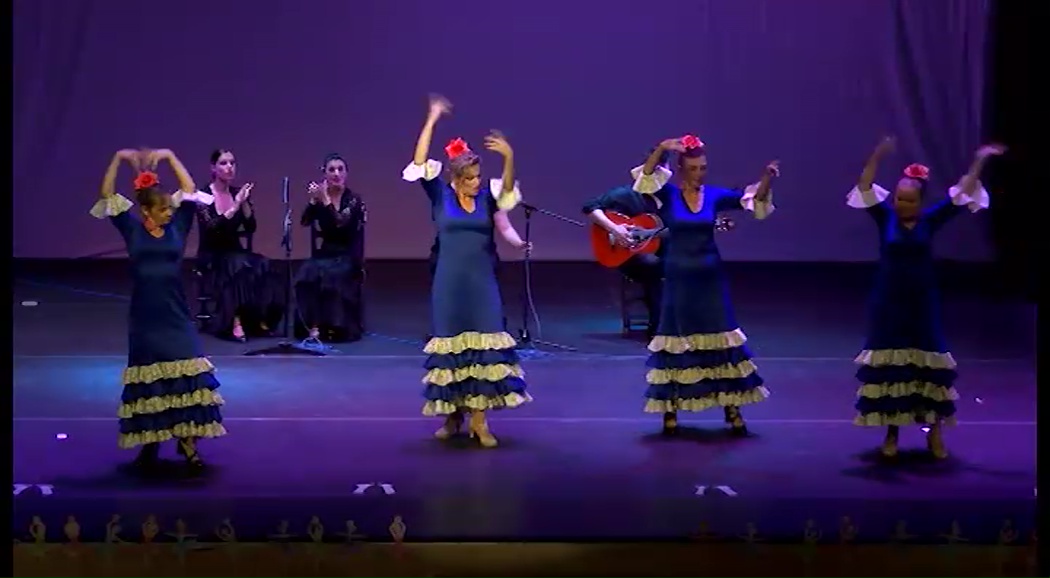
x,y
241,285
328,297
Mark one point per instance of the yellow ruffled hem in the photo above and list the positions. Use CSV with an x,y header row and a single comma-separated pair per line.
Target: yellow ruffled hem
x,y
928,390
201,397
697,374
110,206
700,404
167,370
902,419
182,430
896,357
475,403
497,372
698,341
471,340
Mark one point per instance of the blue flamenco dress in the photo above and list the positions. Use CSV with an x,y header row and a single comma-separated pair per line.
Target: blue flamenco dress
x,y
907,373
169,386
699,357
472,364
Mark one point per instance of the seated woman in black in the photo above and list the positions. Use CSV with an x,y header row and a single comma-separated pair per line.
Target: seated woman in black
x,y
247,295
328,285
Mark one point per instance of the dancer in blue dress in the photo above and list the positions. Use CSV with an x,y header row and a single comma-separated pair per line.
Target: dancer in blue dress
x,y
699,354
472,365
169,386
906,371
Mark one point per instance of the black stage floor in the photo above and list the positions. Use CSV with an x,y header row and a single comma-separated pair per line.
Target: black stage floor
x,y
341,437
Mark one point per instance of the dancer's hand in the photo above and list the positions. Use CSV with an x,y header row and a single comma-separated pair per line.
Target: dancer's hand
x,y
990,150
152,158
132,157
439,106
526,247
496,142
244,193
773,169
887,145
673,144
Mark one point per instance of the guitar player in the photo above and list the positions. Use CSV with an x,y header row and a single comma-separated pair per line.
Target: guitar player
x,y
644,268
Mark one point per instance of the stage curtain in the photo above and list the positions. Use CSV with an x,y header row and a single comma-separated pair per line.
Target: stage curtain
x,y
934,79
48,41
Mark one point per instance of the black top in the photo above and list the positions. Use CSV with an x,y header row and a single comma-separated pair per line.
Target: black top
x,y
342,231
623,200
219,234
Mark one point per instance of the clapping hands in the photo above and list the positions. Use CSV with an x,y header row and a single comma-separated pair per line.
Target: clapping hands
x,y
244,194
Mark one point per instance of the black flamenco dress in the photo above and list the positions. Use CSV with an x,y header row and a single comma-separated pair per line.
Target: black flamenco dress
x,y
328,286
169,386
699,356
239,281
472,364
907,373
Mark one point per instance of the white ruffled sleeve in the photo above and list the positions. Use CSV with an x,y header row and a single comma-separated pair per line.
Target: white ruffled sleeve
x,y
975,202
859,199
505,201
650,184
197,197
427,171
110,206
749,202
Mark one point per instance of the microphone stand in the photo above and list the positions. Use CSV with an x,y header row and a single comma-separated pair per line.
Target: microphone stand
x,y
525,340
287,346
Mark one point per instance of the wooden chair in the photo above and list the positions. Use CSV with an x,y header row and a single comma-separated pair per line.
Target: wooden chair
x,y
633,312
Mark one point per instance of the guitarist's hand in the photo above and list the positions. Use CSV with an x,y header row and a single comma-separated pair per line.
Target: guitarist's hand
x,y
622,235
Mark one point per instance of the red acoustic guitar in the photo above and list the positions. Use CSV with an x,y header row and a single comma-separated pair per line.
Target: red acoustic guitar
x,y
645,229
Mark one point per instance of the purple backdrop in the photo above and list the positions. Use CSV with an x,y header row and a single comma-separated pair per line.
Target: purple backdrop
x,y
581,92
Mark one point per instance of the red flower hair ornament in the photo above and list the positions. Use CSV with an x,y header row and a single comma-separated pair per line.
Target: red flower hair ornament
x,y
691,142
145,180
917,172
456,147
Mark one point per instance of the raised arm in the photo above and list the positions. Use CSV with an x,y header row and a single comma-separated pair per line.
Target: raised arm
x,y
651,176
970,183
968,193
866,194
423,168
439,107
186,184
504,189
756,197
109,179
110,204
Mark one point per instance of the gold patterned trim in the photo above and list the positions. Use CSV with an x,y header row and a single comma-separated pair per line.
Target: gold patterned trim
x,y
698,341
714,400
898,357
167,370
697,374
483,372
182,430
110,206
475,403
902,389
150,405
902,419
469,340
